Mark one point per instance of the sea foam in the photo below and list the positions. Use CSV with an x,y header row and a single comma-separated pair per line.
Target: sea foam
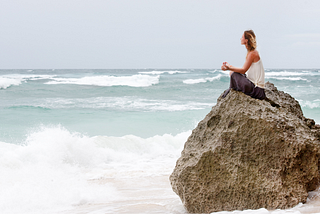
x,y
290,73
52,169
47,174
7,82
123,103
288,78
310,104
202,80
138,80
163,72
16,79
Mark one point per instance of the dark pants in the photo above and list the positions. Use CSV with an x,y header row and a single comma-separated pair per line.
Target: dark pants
x,y
240,82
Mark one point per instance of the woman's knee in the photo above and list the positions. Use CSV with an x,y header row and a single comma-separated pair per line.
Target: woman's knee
x,y
235,74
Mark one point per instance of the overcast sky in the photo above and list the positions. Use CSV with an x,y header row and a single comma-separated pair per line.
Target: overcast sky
x,y
108,34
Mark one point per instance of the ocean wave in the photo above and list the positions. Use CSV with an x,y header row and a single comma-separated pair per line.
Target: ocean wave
x,y
16,79
37,107
214,71
46,173
133,81
7,82
121,103
162,72
288,78
51,171
289,73
29,76
202,80
310,104
224,72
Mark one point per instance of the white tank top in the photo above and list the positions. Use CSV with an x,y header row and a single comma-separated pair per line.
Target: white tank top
x,y
256,74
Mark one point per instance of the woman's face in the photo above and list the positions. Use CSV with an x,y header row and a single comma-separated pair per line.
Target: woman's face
x,y
243,40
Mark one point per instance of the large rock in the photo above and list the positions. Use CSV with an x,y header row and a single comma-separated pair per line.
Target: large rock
x,y
249,154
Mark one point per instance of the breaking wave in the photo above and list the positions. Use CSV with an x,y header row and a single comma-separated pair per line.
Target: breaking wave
x,y
52,169
105,80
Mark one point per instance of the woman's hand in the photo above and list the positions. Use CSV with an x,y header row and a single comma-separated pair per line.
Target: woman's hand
x,y
225,66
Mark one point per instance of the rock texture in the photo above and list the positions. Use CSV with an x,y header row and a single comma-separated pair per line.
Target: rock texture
x,y
249,154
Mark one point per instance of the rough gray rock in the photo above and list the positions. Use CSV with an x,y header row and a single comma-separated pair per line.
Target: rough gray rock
x,y
249,154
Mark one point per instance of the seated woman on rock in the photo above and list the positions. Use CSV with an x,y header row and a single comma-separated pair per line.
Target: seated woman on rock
x,y
250,78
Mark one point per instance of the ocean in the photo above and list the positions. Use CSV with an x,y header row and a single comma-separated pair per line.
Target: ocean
x,y
106,141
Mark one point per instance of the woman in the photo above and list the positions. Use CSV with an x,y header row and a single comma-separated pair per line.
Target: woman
x,y
250,78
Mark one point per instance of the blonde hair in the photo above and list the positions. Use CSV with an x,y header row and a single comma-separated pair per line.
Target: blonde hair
x,y
251,37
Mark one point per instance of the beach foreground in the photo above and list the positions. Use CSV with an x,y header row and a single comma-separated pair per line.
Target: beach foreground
x,y
161,199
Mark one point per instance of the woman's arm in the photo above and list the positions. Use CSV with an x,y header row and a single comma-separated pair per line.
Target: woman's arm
x,y
245,67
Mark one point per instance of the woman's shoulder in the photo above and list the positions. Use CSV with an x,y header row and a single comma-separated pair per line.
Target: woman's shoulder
x,y
254,55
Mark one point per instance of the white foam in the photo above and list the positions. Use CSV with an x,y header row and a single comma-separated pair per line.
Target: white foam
x,y
310,104
260,211
47,173
52,169
169,105
105,80
195,81
214,71
224,72
123,103
16,79
288,78
288,73
202,80
312,206
162,72
7,82
29,76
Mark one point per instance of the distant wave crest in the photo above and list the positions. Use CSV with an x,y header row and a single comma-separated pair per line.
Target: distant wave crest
x,y
290,73
289,78
119,103
162,72
138,80
7,82
202,80
16,79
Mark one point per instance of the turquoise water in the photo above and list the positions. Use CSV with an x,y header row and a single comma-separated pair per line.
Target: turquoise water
x,y
119,102
61,130
104,102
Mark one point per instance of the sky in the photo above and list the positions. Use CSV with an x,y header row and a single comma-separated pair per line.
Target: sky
x,y
159,34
